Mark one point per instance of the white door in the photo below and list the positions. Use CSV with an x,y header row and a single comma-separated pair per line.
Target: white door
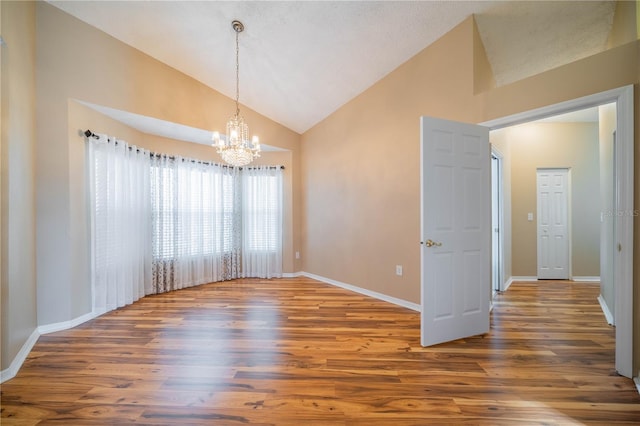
x,y
455,226
553,224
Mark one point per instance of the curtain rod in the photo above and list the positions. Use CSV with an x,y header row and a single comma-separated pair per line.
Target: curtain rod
x,y
89,134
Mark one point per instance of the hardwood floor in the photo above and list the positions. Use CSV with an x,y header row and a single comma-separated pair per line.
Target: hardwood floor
x,y
299,352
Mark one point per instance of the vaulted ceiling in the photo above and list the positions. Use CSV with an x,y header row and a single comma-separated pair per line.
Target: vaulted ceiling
x,y
302,60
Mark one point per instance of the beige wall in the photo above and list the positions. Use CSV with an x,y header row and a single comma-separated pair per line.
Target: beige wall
x,y
18,180
555,145
4,293
361,170
78,62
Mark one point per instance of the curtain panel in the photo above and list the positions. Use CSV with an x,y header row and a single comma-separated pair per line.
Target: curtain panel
x,y
120,226
161,223
262,202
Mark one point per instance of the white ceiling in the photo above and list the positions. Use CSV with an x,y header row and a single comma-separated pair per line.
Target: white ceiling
x,y
302,60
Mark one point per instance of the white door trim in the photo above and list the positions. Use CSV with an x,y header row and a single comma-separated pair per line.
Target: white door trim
x,y
623,97
496,153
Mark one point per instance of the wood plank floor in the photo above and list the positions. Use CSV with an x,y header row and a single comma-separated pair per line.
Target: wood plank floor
x,y
299,352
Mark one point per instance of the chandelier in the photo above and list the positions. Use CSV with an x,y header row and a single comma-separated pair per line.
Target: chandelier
x,y
236,149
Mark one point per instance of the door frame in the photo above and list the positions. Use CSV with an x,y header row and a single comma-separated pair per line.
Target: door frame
x,y
568,224
624,175
500,194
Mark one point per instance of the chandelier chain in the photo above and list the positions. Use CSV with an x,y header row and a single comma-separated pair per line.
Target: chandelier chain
x,y
237,74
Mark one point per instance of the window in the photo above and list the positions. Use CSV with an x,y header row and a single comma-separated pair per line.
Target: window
x,y
261,212
208,209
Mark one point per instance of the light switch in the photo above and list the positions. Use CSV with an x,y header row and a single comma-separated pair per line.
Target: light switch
x,y
530,217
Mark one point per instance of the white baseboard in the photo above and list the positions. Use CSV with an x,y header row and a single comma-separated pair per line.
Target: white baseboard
x,y
17,362
291,274
522,278
587,279
605,310
65,325
517,279
374,294
507,284
19,359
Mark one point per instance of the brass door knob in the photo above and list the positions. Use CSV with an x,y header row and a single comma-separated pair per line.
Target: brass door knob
x,y
431,243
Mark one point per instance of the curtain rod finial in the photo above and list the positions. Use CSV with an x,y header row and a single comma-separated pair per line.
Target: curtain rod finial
x,y
88,133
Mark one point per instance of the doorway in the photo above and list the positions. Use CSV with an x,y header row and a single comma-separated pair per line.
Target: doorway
x,y
553,187
623,204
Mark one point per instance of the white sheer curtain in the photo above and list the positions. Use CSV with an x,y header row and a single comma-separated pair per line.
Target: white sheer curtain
x,y
121,230
262,204
196,223
160,223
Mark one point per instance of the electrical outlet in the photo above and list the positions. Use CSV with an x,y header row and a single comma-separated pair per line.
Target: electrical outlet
x,y
399,270
297,255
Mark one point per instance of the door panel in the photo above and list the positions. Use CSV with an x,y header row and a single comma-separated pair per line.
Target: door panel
x,y
553,224
456,223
